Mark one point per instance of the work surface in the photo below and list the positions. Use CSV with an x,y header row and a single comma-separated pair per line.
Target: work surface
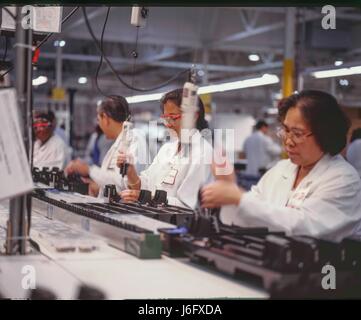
x,y
118,274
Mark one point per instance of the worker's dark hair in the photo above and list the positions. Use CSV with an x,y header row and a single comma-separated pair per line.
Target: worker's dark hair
x,y
356,134
176,97
115,107
328,123
260,124
48,115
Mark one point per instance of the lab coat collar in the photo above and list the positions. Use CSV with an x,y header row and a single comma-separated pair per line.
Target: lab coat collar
x,y
115,146
195,137
317,171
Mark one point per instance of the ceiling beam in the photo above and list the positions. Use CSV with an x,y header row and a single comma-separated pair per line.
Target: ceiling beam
x,y
183,43
259,30
81,21
168,64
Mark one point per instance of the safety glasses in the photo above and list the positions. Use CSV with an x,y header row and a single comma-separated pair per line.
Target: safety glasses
x,y
170,118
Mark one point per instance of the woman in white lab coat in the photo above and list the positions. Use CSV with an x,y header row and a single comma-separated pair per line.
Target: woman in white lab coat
x,y
179,170
354,150
315,192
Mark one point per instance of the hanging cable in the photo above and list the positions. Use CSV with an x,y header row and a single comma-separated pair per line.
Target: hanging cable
x,y
114,71
45,39
6,48
101,55
135,56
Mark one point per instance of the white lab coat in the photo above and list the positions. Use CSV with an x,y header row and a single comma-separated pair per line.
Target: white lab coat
x,y
354,155
326,204
260,151
179,174
109,173
53,153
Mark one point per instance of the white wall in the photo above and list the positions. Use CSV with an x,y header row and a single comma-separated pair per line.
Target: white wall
x,y
241,124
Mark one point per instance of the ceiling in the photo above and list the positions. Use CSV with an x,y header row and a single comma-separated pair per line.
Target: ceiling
x,y
217,40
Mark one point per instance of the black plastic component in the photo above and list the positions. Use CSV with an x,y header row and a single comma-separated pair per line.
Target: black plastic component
x,y
145,197
110,192
123,169
90,293
41,293
160,198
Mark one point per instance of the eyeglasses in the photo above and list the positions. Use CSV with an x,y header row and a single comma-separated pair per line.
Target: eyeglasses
x,y
40,124
170,118
295,135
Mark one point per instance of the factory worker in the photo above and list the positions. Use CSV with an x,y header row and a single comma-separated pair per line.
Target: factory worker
x,y
49,149
315,192
260,150
178,169
112,116
354,150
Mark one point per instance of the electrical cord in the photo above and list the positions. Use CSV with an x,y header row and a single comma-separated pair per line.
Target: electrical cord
x,y
6,48
45,39
114,71
101,55
135,56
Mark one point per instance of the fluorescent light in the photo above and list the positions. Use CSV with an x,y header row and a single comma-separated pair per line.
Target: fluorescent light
x,y
272,111
344,82
40,80
248,83
337,72
145,97
227,86
338,63
253,57
59,43
83,80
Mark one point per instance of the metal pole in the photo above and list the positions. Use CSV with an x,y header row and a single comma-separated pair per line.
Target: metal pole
x,y
59,65
17,225
205,66
289,56
71,112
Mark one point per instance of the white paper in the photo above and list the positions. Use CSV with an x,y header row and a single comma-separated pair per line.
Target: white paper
x,y
15,175
46,19
8,22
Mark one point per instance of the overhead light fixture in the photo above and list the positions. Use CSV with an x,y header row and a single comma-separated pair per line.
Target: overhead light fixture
x,y
59,43
266,79
83,80
337,72
40,80
145,97
344,82
338,63
253,57
247,83
272,111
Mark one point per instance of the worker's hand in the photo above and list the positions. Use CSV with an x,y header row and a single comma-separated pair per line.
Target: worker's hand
x,y
220,193
124,158
129,195
220,173
93,188
77,166
222,168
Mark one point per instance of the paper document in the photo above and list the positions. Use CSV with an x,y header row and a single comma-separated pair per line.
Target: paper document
x,y
15,175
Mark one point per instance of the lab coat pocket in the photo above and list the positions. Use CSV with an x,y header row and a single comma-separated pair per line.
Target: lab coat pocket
x,y
297,198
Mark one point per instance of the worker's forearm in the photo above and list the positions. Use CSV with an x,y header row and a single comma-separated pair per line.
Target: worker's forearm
x,y
134,181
